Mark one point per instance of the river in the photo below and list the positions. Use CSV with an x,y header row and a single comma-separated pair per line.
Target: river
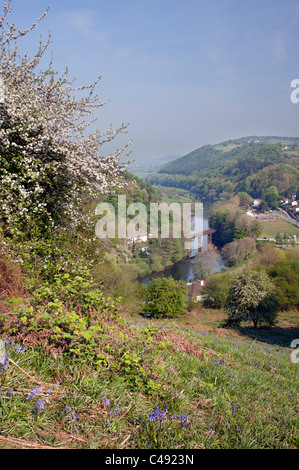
x,y
183,270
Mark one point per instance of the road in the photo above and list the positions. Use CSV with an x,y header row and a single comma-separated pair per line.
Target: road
x,y
281,214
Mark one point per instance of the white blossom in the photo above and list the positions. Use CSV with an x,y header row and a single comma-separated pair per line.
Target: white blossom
x,y
49,164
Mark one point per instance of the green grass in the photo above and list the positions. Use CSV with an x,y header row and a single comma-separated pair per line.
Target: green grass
x,y
271,228
211,388
171,195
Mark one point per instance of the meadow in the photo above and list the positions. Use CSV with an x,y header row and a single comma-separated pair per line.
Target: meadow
x,y
187,383
271,228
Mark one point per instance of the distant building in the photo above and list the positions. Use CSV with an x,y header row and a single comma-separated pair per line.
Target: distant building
x,y
131,240
195,290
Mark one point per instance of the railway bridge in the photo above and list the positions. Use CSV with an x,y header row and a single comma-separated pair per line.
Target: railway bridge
x,y
211,237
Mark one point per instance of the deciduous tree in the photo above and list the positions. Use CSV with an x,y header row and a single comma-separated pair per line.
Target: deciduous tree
x,y
50,164
251,298
237,251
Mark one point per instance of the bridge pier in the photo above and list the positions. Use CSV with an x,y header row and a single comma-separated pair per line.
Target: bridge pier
x,y
210,232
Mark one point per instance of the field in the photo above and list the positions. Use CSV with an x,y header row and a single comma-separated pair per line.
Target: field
x,y
226,148
183,384
271,228
170,195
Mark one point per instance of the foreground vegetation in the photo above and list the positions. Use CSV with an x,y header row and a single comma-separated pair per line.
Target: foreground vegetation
x,y
172,384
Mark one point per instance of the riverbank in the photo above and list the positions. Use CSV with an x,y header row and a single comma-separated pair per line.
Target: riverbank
x,y
162,271
182,270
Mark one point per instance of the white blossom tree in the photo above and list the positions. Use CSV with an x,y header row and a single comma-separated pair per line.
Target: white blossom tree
x,y
49,163
251,297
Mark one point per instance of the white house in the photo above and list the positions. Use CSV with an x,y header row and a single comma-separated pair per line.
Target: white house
x,y
131,240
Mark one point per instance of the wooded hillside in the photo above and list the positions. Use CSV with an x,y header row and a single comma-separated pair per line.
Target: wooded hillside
x,y
251,167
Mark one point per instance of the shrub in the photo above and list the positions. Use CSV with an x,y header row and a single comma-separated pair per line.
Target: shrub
x,y
70,315
251,298
166,297
285,275
216,290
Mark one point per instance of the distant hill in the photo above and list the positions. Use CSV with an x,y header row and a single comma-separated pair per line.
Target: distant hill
x,y
152,163
248,164
168,158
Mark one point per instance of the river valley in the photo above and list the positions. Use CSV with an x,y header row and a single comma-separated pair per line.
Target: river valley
x,y
183,270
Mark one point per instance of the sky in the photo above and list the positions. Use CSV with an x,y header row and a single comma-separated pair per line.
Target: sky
x,y
182,74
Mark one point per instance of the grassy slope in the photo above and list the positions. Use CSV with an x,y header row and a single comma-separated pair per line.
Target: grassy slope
x,y
216,388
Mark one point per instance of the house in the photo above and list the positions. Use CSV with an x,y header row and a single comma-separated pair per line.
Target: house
x,y
294,203
195,290
131,240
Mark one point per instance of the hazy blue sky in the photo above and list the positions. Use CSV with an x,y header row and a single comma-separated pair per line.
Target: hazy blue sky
x,y
182,73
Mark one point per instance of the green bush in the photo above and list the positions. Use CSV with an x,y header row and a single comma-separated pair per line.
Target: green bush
x,y
166,297
285,275
216,290
71,315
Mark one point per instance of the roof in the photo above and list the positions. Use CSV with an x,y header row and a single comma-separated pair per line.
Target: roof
x,y
195,289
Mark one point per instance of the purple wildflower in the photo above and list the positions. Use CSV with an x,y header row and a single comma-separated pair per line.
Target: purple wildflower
x,y
39,405
106,401
33,392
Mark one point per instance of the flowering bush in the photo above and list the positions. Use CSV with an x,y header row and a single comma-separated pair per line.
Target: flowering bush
x,y
251,298
48,165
